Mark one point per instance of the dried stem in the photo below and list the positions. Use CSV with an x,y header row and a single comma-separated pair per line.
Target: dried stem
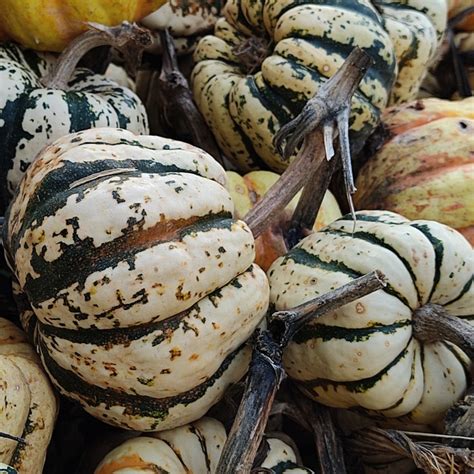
x,y
432,323
179,110
266,372
330,105
129,38
13,438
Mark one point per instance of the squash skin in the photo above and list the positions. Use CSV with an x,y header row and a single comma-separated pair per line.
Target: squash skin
x,y
425,169
309,41
52,24
364,354
32,116
247,190
149,328
190,449
31,408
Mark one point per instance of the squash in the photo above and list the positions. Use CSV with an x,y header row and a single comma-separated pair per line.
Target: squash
x,y
425,169
141,280
32,116
369,353
48,25
28,406
457,6
267,58
248,189
4,469
190,449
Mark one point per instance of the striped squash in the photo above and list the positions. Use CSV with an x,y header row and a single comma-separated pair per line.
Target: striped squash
x,y
302,43
32,116
247,190
141,280
49,25
425,169
365,354
190,449
27,403
4,469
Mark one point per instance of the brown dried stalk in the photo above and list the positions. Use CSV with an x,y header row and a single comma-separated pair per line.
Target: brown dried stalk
x,y
266,372
13,438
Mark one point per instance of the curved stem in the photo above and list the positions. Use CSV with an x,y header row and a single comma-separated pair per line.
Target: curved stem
x,y
432,323
129,38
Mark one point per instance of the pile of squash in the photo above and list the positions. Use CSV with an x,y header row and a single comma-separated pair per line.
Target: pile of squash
x,y
138,282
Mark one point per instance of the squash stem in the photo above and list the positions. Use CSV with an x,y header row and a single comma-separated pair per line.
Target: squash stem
x,y
329,104
266,371
432,323
13,438
128,38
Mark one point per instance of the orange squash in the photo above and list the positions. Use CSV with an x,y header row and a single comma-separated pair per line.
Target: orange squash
x,y
425,169
248,189
457,6
49,25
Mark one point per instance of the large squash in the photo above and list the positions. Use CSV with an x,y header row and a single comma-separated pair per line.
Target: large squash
x,y
425,169
27,403
367,353
268,57
48,25
33,116
142,282
247,190
190,449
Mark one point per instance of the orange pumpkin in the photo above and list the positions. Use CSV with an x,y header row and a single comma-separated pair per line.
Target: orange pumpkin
x,y
248,189
49,25
425,169
457,6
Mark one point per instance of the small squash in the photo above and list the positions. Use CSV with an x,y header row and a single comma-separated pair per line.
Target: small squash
x,y
4,469
48,25
28,406
267,58
425,169
141,280
457,6
372,353
247,190
33,116
190,449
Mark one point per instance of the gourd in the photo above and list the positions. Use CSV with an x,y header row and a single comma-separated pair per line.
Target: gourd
x,y
36,109
425,168
4,469
191,449
46,25
379,352
28,404
267,58
248,189
457,6
140,279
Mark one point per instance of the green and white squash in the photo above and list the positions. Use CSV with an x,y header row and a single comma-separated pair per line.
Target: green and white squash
x,y
190,449
33,116
4,469
28,405
366,354
142,282
302,43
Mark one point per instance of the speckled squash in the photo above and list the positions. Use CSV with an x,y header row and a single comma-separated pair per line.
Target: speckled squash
x,y
141,280
302,43
49,25
365,353
247,190
32,116
425,169
191,449
28,405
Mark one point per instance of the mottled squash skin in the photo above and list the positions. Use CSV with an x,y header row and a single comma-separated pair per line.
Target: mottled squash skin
x,y
141,282
49,25
366,353
425,169
28,405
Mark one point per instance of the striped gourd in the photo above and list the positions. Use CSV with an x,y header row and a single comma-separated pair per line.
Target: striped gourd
x,y
27,403
190,449
302,43
32,116
141,280
365,354
425,169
